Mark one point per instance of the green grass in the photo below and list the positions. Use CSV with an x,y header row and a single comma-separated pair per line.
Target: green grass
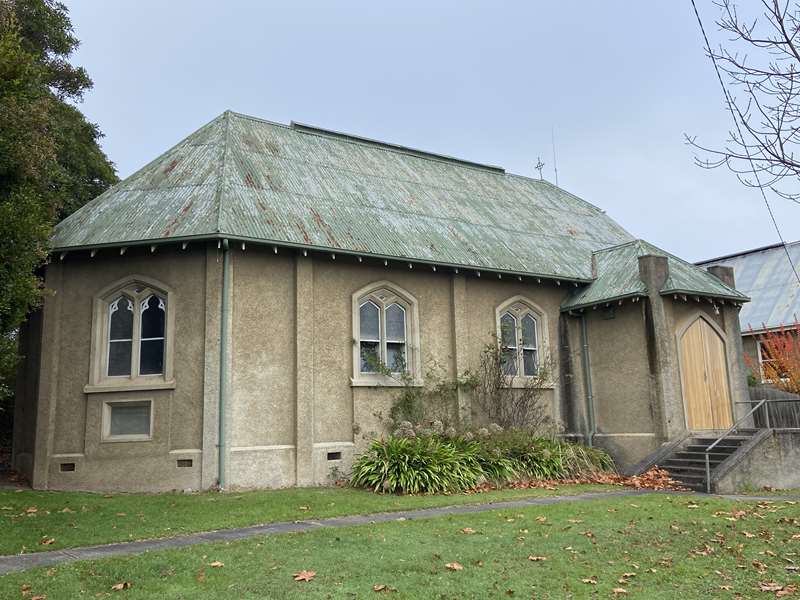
x,y
675,546
74,519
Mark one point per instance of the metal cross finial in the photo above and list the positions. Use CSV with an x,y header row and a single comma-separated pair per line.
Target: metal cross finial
x,y
539,166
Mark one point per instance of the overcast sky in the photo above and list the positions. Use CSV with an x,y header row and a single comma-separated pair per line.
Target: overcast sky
x,y
619,82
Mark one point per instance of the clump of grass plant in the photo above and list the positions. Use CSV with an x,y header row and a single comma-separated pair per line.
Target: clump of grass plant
x,y
432,462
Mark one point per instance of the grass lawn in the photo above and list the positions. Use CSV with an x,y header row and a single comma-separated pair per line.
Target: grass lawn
x,y
656,546
70,519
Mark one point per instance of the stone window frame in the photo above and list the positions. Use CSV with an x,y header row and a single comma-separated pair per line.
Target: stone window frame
x,y
107,407
385,293
519,306
99,380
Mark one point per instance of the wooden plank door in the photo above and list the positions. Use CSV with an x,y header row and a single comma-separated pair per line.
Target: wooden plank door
x,y
704,375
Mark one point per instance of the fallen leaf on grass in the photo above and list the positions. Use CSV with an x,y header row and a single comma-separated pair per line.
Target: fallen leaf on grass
x,y
590,580
537,558
304,575
122,585
619,591
455,566
216,564
67,509
39,597
31,509
47,541
304,508
468,530
25,589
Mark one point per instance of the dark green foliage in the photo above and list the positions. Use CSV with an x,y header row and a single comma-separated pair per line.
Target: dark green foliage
x,y
431,463
417,465
496,466
50,160
544,458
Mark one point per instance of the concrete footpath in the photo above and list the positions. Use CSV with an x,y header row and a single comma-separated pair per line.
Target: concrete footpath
x,y
21,562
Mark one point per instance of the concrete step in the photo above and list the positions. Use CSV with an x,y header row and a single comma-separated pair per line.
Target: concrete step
x,y
690,469
698,455
719,448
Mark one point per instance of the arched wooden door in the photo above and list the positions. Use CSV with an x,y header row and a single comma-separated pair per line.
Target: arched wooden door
x,y
704,376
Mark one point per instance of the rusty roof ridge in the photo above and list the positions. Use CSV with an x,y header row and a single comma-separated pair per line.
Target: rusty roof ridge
x,y
560,189
380,145
350,137
119,185
221,181
617,246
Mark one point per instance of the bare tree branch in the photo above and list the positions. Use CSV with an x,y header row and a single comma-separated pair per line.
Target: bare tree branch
x,y
761,59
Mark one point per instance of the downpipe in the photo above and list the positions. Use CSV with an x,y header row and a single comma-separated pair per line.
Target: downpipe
x,y
223,366
587,382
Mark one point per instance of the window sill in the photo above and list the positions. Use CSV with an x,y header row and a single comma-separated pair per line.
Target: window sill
x,y
520,382
382,381
126,438
129,386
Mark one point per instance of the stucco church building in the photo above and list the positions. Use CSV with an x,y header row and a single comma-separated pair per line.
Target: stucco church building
x,y
215,318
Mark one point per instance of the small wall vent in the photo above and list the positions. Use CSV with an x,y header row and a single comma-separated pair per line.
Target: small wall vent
x,y
66,467
184,462
334,456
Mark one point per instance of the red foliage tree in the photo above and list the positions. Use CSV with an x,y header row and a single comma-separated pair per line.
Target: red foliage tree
x,y
780,358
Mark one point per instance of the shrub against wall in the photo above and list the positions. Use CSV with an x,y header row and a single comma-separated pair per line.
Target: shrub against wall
x,y
433,463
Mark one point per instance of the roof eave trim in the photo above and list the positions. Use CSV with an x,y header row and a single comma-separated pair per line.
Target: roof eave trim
x,y
322,249
585,305
733,298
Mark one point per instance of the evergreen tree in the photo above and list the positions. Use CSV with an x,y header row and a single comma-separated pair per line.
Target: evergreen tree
x,y
50,160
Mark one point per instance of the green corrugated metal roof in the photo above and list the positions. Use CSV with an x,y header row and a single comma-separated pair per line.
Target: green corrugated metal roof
x,y
618,277
250,179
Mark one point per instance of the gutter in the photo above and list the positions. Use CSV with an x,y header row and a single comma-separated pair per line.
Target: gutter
x,y
62,251
587,383
223,364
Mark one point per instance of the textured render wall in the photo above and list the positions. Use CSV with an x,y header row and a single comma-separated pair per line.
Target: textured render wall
x,y
484,295
261,403
74,431
624,394
26,391
772,463
267,449
750,348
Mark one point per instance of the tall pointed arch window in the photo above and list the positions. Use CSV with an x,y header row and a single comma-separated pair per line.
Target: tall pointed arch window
x,y
132,337
385,334
521,335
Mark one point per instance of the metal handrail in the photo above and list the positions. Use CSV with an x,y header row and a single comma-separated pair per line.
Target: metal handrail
x,y
726,434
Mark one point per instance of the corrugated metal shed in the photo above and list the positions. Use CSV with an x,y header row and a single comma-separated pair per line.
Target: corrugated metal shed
x,y
618,278
766,276
255,180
